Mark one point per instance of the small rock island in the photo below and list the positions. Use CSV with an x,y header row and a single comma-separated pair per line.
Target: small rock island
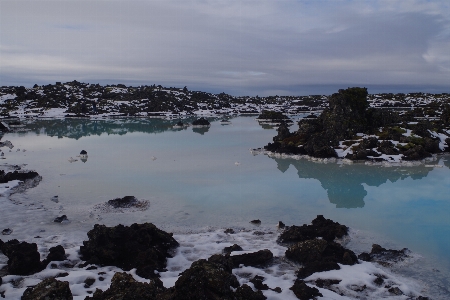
x,y
348,128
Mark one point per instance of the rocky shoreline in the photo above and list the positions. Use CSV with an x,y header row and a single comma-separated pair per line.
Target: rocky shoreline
x,y
350,129
143,250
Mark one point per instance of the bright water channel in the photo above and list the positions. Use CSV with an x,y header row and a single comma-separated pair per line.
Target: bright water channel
x,y
194,182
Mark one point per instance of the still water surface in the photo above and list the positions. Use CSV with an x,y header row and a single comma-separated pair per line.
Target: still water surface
x,y
194,181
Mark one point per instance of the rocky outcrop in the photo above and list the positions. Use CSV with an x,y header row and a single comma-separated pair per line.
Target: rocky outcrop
x,y
48,289
16,175
348,116
125,202
124,286
141,246
384,256
319,228
206,279
304,292
23,257
319,255
56,253
258,258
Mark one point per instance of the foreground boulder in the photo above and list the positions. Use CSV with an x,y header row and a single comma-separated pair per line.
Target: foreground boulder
x,y
211,279
124,286
16,175
141,246
48,289
320,227
23,257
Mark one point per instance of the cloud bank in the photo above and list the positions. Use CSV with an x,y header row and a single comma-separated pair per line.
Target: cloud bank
x,y
238,47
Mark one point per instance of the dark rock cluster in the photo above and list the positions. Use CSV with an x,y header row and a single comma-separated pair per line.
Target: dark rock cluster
x,y
141,246
17,175
145,247
24,258
349,114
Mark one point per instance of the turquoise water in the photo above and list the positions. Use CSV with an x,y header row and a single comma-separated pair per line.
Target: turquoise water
x,y
194,181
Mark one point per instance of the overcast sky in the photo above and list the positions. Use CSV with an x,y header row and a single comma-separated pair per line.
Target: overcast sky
x,y
259,47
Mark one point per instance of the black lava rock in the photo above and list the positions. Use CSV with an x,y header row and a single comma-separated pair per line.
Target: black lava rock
x,y
235,247
124,286
23,257
141,246
258,258
61,219
48,289
304,292
127,201
57,253
320,227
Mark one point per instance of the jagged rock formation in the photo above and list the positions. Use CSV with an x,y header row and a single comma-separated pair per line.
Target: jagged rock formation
x,y
48,289
350,128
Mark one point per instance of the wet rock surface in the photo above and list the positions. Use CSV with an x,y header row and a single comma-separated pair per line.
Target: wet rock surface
x,y
304,292
319,228
48,289
235,247
23,257
124,286
259,258
127,201
384,256
56,253
318,256
206,279
141,246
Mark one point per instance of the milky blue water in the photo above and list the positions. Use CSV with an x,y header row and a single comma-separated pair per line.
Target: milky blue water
x,y
195,182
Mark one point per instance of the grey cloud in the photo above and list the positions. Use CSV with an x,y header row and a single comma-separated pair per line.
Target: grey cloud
x,y
237,47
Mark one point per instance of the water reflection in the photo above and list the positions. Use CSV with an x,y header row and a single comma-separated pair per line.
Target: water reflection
x,y
201,130
78,128
344,183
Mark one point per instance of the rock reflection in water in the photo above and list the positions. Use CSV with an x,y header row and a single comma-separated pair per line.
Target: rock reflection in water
x,y
78,128
344,183
201,130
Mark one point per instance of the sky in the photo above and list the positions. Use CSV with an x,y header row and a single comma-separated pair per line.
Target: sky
x,y
258,47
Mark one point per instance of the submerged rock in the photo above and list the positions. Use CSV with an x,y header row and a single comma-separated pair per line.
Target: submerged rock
x,y
127,201
141,246
7,231
48,289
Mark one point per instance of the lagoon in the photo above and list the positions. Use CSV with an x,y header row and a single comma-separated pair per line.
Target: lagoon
x,y
194,184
